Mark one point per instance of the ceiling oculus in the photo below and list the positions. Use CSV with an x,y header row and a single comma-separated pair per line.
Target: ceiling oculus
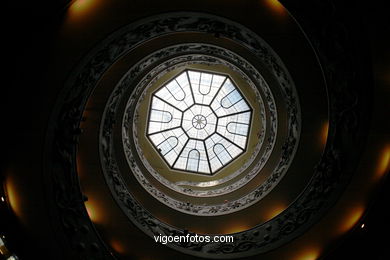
x,y
199,122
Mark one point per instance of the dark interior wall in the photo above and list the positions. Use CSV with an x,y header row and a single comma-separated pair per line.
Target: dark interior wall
x,y
367,242
30,32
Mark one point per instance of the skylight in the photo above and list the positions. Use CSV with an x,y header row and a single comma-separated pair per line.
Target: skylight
x,y
199,122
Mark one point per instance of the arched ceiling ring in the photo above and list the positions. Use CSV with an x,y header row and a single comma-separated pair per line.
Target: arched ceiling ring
x,y
293,221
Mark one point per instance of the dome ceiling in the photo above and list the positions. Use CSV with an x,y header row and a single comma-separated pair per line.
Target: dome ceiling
x,y
199,122
267,87
161,81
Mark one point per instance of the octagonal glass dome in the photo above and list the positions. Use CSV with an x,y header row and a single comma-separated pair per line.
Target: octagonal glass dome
x,y
199,122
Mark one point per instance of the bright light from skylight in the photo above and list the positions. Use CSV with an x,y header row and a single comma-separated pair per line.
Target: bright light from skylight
x,y
199,122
